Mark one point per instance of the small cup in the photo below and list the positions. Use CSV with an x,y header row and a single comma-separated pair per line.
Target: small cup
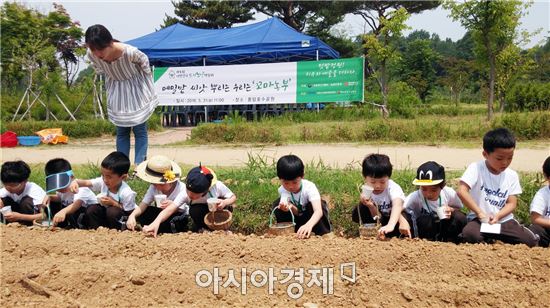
x,y
159,198
99,196
6,210
212,202
442,212
366,191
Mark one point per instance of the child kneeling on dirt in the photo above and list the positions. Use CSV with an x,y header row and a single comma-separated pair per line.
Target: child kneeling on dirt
x,y
201,184
302,198
68,208
540,209
117,199
387,198
161,210
434,209
489,189
20,200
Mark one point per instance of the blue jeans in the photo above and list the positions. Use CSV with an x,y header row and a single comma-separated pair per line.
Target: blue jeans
x,y
123,141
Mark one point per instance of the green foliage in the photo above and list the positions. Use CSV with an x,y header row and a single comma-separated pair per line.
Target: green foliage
x,y
439,123
208,14
535,125
417,67
256,187
529,96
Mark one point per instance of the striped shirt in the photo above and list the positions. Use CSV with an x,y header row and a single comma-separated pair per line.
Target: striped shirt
x,y
131,97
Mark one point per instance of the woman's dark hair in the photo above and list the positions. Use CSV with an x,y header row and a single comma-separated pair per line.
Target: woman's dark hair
x,y
290,167
97,37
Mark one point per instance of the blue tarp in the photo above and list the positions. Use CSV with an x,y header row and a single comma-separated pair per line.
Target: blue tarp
x,y
268,41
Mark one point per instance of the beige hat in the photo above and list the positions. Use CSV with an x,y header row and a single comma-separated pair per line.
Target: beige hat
x,y
159,169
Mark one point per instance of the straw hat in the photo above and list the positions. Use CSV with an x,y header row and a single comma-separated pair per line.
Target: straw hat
x,y
158,169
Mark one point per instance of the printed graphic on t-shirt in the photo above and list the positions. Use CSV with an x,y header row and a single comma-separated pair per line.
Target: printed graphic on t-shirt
x,y
495,197
385,207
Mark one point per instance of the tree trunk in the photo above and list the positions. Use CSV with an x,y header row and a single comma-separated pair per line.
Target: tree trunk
x,y
383,81
491,87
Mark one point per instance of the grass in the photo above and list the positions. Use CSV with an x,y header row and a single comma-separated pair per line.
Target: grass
x,y
256,188
427,129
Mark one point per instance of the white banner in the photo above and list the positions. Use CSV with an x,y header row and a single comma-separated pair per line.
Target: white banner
x,y
272,83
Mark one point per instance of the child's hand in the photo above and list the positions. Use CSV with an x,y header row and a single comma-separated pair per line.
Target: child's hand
x,y
385,230
448,211
59,217
46,201
108,201
493,219
483,217
1,203
304,231
74,186
367,202
284,207
131,223
405,228
221,205
164,204
151,230
13,216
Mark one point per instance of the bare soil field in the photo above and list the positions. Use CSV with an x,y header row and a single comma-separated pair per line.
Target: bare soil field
x,y
107,268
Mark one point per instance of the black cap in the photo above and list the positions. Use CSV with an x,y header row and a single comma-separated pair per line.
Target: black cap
x,y
200,179
429,173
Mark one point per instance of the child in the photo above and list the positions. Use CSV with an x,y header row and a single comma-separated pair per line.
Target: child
x,y
117,199
131,97
301,197
433,196
25,198
164,175
387,198
540,209
489,189
67,207
201,183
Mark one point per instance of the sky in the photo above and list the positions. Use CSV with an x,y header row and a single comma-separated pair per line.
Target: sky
x,y
131,19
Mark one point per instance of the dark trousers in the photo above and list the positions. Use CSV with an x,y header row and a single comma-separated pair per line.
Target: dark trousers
x,y
543,233
429,226
322,226
366,218
511,232
24,206
176,223
197,213
105,216
76,220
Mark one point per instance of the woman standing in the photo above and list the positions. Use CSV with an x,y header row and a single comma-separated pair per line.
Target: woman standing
x,y
131,97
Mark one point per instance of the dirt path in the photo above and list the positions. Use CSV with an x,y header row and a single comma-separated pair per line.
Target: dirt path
x,y
336,155
107,268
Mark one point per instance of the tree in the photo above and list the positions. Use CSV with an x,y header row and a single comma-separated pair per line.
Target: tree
x,y
511,65
418,67
23,27
493,25
212,14
378,15
456,76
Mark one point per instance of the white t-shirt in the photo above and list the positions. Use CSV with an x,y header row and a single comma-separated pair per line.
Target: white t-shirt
x,y
384,199
125,195
490,191
308,193
178,195
415,201
541,202
84,194
218,190
31,189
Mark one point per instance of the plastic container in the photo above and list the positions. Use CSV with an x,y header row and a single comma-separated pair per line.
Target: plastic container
x,y
28,140
8,140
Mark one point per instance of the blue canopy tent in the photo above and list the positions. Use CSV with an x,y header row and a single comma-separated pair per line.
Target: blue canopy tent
x,y
268,41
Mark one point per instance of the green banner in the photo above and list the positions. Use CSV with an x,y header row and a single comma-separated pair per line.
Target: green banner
x,y
330,81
